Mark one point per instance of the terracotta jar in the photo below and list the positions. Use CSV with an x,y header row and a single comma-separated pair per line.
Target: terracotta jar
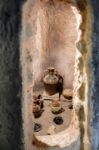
x,y
56,106
68,94
51,81
38,101
36,110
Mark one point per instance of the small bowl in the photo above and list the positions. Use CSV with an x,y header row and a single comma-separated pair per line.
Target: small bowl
x,y
36,111
56,106
37,127
58,120
68,94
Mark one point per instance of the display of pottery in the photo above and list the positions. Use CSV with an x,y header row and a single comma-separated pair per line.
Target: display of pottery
x,y
50,102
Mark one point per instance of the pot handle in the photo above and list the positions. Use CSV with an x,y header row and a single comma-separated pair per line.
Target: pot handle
x,y
60,80
56,72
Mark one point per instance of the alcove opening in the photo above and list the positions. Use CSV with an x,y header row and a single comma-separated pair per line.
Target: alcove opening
x,y
55,48
51,32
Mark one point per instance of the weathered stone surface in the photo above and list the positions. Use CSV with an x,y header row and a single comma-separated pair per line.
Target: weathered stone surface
x,y
95,65
10,81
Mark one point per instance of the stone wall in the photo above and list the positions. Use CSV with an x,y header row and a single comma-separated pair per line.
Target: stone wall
x,y
95,65
10,80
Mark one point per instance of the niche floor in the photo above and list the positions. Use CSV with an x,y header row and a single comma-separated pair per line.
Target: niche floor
x,y
46,119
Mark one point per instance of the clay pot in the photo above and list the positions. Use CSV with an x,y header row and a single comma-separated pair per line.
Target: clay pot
x,y
51,81
36,110
68,93
37,101
56,106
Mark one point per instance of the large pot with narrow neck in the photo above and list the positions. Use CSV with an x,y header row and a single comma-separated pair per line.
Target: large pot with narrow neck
x,y
51,80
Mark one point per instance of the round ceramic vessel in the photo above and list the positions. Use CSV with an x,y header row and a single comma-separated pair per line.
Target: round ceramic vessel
x,y
51,81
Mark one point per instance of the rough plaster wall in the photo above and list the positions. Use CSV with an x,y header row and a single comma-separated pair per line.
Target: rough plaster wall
x,y
54,35
61,34
95,63
10,81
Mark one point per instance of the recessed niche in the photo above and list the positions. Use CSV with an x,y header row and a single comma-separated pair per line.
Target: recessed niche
x,y
53,66
49,66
